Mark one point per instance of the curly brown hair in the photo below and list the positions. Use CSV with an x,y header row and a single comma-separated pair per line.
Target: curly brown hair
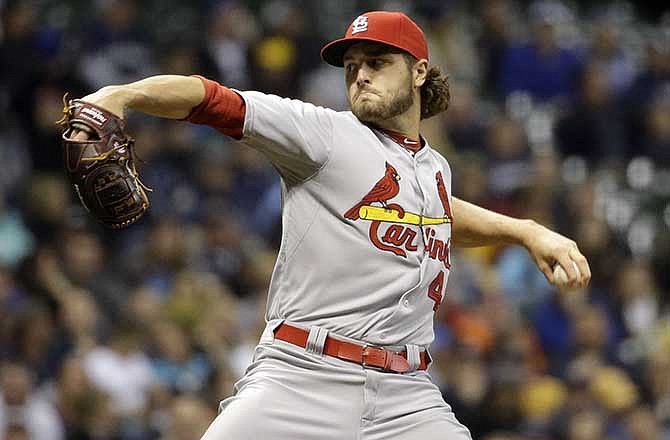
x,y
435,94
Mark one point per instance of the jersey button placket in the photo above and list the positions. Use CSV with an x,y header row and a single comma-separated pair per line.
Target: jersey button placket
x,y
417,174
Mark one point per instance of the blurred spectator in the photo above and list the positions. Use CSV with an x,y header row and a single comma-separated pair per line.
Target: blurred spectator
x,y
590,331
86,265
116,49
651,80
15,157
637,294
542,67
468,391
509,159
497,22
81,321
657,384
32,338
655,72
16,432
161,255
552,320
464,125
596,240
451,44
144,305
586,425
642,424
614,391
216,330
520,280
17,241
83,409
250,175
213,171
192,297
183,59
655,140
122,370
20,45
619,69
281,57
12,299
46,206
189,419
22,406
232,30
594,129
470,179
541,401
175,361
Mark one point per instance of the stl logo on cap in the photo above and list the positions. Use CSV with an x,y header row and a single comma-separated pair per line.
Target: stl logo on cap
x,y
359,25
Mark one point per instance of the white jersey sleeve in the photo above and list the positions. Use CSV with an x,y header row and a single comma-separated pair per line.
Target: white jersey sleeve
x,y
296,136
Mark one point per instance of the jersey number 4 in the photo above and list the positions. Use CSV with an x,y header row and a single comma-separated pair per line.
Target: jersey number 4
x,y
435,289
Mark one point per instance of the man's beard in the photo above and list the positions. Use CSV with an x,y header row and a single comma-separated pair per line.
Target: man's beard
x,y
369,111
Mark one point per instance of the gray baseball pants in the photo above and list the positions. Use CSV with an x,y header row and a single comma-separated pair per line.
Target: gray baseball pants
x,y
289,393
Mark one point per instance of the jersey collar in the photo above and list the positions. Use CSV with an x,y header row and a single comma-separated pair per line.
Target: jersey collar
x,y
413,145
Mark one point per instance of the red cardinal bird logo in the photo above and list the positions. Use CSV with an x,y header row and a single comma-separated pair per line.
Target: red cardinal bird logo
x,y
383,191
442,192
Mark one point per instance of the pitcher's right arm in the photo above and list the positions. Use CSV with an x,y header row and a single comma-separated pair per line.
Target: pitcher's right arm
x,y
165,96
295,136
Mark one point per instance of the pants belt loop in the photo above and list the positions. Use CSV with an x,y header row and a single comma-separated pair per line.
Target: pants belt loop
x,y
316,340
413,357
268,336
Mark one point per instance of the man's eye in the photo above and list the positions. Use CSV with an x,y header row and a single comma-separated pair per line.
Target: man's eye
x,y
375,64
349,68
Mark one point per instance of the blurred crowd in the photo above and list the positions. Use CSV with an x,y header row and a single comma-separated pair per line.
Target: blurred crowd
x,y
560,112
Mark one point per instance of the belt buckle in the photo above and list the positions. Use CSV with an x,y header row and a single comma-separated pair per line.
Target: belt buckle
x,y
381,354
387,360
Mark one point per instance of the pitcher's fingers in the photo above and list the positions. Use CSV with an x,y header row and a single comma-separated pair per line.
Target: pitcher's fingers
x,y
570,269
583,265
547,270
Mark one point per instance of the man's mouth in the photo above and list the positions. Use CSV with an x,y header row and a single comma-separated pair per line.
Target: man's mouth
x,y
365,92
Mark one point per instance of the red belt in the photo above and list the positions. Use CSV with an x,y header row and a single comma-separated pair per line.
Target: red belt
x,y
361,354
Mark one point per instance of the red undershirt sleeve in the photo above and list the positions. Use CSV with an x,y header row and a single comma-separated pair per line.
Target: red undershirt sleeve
x,y
221,108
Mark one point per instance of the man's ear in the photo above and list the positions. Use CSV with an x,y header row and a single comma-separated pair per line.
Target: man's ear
x,y
420,70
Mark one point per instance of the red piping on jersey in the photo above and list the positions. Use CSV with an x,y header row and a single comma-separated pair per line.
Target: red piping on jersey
x,y
221,108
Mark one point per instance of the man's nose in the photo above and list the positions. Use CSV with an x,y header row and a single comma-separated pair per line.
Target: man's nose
x,y
363,76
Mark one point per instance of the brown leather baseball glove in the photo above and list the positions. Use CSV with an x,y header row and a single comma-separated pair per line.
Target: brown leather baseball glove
x,y
102,167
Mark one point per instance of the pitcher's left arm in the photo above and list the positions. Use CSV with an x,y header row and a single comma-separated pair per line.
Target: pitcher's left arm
x,y
475,226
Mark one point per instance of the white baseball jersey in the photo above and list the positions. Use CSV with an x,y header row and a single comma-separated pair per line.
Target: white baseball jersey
x,y
366,223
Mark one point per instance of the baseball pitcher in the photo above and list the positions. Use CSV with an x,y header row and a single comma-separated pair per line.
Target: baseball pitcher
x,y
368,225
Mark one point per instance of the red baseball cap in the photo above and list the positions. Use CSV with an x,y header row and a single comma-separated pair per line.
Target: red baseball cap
x,y
392,28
